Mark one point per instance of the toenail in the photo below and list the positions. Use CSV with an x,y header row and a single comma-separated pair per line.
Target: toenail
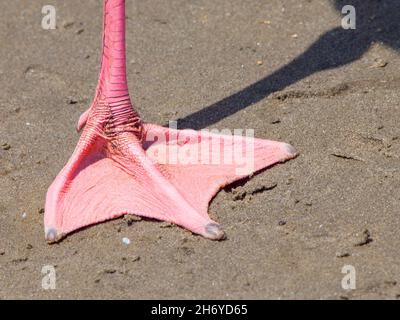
x,y
215,232
51,235
290,149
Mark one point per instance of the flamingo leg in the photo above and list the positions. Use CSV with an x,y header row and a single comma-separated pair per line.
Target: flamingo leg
x,y
122,165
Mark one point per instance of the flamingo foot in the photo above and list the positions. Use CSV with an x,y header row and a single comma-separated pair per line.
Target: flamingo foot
x,y
122,166
150,171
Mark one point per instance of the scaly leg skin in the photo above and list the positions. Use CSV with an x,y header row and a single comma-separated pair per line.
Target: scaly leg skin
x,y
124,166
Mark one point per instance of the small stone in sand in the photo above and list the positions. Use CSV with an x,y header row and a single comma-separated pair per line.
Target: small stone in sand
x,y
135,258
342,254
379,63
23,215
259,62
166,225
41,210
132,259
5,146
72,101
390,282
110,271
68,24
126,241
130,219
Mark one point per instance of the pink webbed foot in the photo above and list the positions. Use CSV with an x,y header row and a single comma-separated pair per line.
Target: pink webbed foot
x,y
121,166
169,175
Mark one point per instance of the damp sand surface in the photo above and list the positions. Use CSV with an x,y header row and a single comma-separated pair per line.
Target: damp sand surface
x,y
283,68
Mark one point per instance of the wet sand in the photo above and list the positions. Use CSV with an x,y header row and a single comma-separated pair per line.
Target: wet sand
x,y
275,67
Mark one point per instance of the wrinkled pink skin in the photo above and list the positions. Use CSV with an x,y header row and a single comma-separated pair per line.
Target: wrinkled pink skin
x,y
111,173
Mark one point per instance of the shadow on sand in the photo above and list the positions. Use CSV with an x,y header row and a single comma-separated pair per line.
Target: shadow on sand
x,y
377,21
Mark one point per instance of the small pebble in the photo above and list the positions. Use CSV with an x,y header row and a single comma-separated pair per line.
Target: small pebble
x,y
68,24
72,101
24,215
126,241
132,259
5,146
295,36
29,246
289,181
135,258
110,271
379,63
130,219
259,62
281,223
166,225
342,254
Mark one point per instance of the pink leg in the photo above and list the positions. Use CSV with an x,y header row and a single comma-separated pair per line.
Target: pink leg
x,y
122,166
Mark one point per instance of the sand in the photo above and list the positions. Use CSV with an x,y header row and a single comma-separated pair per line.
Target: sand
x,y
283,68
